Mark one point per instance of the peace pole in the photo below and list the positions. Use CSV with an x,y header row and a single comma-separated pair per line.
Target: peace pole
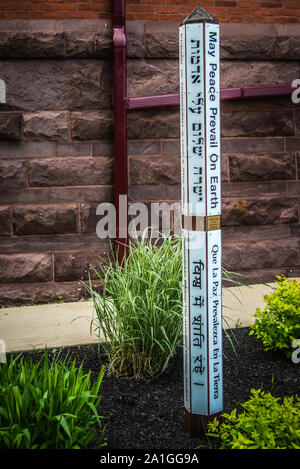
x,y
201,213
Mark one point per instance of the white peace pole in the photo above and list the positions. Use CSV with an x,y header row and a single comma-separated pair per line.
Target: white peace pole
x,y
201,211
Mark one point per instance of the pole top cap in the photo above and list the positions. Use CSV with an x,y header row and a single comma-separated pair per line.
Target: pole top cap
x,y
199,16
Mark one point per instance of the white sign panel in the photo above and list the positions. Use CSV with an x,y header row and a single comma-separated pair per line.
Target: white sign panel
x,y
200,118
202,315
195,119
183,137
201,197
212,124
186,321
198,322
214,291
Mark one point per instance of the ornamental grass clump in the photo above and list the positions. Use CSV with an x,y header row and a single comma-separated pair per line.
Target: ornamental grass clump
x,y
48,406
278,324
139,314
265,423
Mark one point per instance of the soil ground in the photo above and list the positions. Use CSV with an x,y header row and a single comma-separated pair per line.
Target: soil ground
x,y
150,415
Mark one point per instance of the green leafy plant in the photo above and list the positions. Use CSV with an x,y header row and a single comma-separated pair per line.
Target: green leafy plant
x,y
46,405
265,423
278,324
139,314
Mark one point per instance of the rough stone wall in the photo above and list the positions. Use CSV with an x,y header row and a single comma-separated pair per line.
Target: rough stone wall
x,y
56,151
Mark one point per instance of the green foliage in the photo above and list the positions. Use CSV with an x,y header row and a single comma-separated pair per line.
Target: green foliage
x,y
264,424
139,314
46,405
278,325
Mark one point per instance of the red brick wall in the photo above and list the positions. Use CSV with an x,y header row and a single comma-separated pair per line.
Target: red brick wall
x,y
236,11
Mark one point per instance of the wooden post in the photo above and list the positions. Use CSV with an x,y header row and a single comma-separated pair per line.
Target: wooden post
x,y
201,210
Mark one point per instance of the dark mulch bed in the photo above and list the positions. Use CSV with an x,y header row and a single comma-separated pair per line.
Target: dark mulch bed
x,y
150,415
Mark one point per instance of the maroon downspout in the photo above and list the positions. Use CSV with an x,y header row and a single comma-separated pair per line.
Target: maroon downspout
x,y
120,123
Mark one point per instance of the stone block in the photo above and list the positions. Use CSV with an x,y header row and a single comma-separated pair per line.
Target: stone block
x,y
170,147
259,211
252,145
104,148
295,230
262,167
297,121
12,174
257,188
153,124
135,39
31,44
152,77
50,243
88,38
26,150
71,172
18,294
57,195
73,149
88,218
248,41
46,125
293,187
271,254
70,84
92,125
155,170
154,192
289,47
45,219
25,268
31,38
70,266
224,169
235,73
4,221
162,42
292,143
258,123
146,147
288,42
10,126
258,103
255,232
